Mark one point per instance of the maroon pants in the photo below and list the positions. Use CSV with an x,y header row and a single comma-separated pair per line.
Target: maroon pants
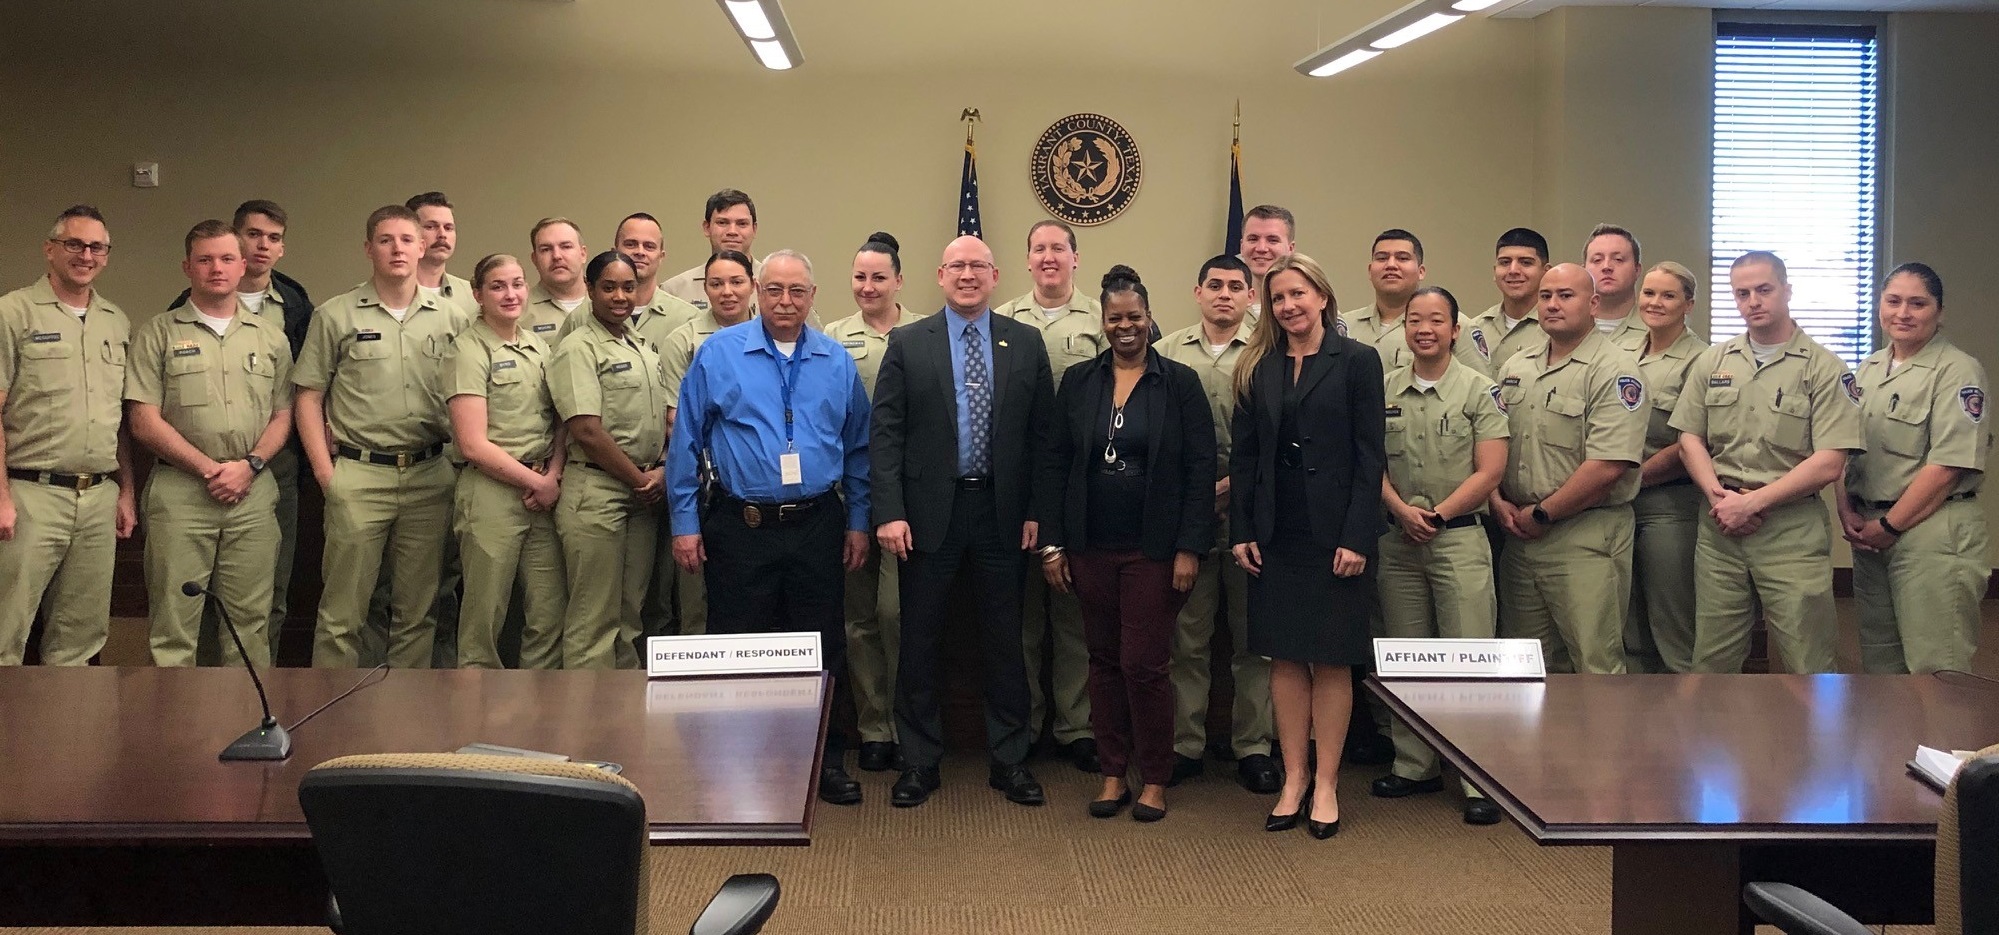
x,y
1129,613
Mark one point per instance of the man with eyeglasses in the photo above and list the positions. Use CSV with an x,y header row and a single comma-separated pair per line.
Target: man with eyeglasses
x,y
781,410
953,482
67,493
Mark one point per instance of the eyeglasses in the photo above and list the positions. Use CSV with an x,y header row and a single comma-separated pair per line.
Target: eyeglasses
x,y
73,245
798,293
961,267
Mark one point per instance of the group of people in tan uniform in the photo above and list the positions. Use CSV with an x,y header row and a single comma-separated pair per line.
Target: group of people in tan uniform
x,y
1573,464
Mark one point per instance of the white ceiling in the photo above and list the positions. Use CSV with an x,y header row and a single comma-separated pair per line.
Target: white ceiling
x,y
1531,8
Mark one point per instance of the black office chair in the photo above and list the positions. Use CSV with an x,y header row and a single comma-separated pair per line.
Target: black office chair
x,y
451,844
1967,887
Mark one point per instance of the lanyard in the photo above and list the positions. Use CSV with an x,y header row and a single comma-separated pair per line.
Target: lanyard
x,y
787,377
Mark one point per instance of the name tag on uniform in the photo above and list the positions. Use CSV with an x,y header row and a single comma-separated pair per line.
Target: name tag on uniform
x,y
732,654
368,336
543,329
45,337
1458,659
1721,379
620,367
1510,381
854,342
789,469
504,364
186,351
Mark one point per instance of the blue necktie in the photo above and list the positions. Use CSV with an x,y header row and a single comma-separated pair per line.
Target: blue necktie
x,y
979,396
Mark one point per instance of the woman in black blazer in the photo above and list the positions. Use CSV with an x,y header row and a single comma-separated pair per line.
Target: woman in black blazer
x,y
1131,470
1305,512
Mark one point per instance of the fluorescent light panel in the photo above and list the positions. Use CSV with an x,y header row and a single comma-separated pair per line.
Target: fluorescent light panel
x,y
1343,63
750,19
771,53
1416,30
764,29
1393,31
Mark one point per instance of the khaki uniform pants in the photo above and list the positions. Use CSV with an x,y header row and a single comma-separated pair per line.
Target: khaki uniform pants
x,y
227,548
1442,589
874,639
1659,633
501,541
60,558
608,539
1570,589
1918,601
1052,629
378,514
1786,567
1193,643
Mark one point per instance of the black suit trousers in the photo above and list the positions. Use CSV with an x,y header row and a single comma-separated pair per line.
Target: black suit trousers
x,y
975,538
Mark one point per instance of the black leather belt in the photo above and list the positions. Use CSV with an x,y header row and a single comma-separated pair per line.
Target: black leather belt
x,y
975,482
1122,468
1676,482
536,466
1881,504
76,482
1460,522
642,466
398,459
757,514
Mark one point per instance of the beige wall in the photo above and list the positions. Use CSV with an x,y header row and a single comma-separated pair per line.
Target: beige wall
x,y
1581,115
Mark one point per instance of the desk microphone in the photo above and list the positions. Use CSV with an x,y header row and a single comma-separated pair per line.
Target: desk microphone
x,y
267,741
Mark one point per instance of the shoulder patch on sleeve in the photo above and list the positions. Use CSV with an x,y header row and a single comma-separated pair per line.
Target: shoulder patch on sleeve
x,y
1972,399
1478,344
1852,386
1498,398
1340,325
1630,392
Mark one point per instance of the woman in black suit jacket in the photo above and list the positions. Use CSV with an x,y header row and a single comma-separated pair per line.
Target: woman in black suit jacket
x,y
1131,464
1305,511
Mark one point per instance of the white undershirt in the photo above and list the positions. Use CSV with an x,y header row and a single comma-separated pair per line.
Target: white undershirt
x,y
1894,365
1763,352
1421,383
569,305
254,301
73,310
1512,323
1051,313
786,348
400,313
1217,350
1608,325
217,325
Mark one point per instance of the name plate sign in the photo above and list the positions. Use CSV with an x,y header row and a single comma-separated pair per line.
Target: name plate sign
x,y
733,654
1458,659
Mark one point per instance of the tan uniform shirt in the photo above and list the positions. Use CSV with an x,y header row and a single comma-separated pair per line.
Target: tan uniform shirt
x,y
217,392
1432,433
1760,422
1074,336
1631,333
544,317
1189,346
511,376
676,353
865,345
382,377
1589,407
654,321
1665,375
597,373
1930,410
64,379
1391,340
690,286
1492,343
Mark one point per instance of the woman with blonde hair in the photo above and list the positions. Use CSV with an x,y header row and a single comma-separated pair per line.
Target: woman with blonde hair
x,y
1659,629
1305,515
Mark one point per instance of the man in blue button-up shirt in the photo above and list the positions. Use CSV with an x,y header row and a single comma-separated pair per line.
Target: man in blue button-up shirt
x,y
783,415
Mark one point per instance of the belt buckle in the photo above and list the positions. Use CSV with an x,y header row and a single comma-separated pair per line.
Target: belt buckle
x,y
85,482
402,459
785,510
752,516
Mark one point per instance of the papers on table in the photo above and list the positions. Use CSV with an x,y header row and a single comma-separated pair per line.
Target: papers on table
x,y
1937,767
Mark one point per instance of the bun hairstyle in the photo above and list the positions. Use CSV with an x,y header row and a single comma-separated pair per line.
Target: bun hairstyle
x,y
885,243
1932,283
730,256
1449,299
594,272
486,266
1122,278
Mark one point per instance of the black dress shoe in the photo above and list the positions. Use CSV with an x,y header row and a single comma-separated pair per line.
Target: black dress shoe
x,y
914,786
1370,750
1020,786
1146,813
1276,822
1322,829
1083,752
1259,774
1392,786
1480,811
877,756
1108,808
1185,768
838,788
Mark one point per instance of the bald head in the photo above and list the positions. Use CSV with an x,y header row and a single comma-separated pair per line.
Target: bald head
x,y
1568,302
967,276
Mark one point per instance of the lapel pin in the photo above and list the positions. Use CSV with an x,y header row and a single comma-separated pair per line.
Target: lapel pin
x,y
1002,344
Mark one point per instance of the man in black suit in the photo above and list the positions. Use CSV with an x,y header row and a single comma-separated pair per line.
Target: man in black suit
x,y
961,407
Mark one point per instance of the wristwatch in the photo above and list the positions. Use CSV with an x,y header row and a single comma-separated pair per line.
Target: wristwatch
x,y
1888,527
1541,516
256,464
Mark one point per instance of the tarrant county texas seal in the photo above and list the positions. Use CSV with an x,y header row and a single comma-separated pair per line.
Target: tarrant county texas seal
x,y
1085,169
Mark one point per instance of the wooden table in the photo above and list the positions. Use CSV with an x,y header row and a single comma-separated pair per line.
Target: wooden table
x,y
1700,783
115,811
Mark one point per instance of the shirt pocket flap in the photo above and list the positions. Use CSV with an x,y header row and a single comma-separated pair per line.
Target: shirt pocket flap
x,y
47,350
377,349
1565,405
193,363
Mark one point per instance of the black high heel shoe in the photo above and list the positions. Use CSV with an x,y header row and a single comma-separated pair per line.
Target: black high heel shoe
x,y
1276,822
1322,829
1108,808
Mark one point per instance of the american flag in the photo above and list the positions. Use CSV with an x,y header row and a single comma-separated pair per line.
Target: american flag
x,y
968,194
